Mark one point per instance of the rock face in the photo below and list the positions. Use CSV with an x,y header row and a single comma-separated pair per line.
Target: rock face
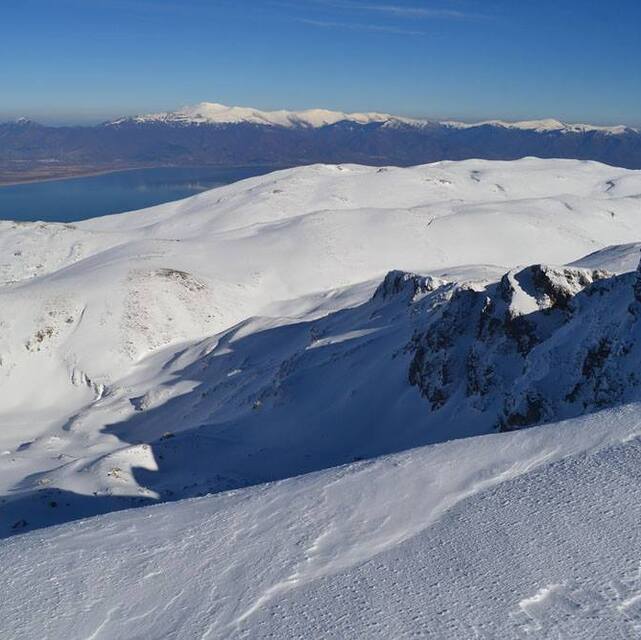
x,y
544,343
637,284
408,285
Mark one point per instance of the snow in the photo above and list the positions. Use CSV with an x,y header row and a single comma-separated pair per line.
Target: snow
x,y
409,545
255,343
114,327
542,126
616,259
216,113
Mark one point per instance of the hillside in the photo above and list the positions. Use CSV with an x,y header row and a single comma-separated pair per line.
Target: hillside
x,y
230,319
336,363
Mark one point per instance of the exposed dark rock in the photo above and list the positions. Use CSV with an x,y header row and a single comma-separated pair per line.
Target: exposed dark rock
x,y
543,343
637,284
408,284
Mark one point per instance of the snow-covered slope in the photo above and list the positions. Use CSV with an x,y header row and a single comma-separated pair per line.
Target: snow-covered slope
x,y
329,328
215,113
207,320
522,535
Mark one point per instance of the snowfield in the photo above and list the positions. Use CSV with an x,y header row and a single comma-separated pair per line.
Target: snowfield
x,y
323,374
520,535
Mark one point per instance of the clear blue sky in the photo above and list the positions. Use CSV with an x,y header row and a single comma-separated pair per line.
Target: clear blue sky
x,y
88,60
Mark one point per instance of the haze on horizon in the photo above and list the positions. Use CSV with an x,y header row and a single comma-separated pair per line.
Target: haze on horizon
x,y
86,62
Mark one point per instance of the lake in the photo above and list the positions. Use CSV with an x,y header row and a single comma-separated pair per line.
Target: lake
x,y
74,199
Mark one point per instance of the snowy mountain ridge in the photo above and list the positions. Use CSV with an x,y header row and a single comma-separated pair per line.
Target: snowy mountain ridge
x,y
545,125
215,113
541,345
215,135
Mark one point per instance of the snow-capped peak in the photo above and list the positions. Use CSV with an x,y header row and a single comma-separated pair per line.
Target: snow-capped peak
x,y
215,113
23,122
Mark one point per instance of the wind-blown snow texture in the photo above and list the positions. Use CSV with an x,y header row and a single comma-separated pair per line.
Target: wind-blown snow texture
x,y
277,327
523,535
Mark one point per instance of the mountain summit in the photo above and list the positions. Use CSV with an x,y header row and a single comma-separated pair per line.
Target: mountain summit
x,y
215,113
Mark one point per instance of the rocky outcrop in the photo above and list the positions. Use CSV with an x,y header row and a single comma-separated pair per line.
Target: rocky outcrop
x,y
408,285
637,284
544,343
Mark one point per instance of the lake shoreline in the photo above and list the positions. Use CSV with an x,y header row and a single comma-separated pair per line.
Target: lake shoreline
x,y
89,173
68,176
105,192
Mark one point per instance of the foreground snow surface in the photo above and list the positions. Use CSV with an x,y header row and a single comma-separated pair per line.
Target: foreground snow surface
x,y
523,535
247,343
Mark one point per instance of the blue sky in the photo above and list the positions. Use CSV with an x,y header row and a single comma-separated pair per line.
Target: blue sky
x,y
89,60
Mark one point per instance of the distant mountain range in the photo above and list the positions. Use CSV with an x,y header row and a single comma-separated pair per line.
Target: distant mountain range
x,y
214,113
210,133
